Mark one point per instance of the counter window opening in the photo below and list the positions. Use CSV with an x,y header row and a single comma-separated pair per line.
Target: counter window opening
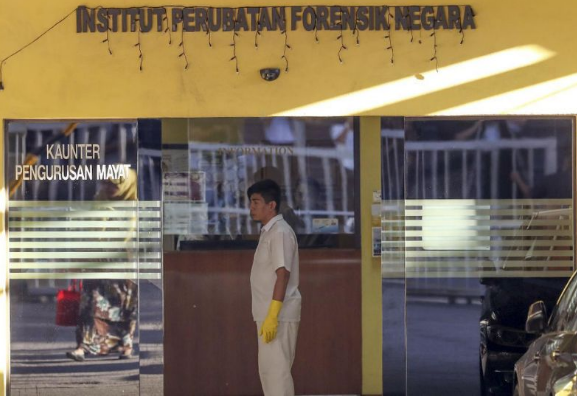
x,y
209,164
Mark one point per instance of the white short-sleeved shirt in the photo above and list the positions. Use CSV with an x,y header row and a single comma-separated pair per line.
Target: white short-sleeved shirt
x,y
277,247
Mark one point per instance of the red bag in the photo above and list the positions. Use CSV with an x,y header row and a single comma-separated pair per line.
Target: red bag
x,y
68,306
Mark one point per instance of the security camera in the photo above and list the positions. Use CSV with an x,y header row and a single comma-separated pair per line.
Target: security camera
x,y
269,74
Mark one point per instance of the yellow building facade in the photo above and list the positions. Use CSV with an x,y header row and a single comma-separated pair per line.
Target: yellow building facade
x,y
519,60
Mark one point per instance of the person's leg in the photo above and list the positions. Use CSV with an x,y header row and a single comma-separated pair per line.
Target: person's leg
x,y
128,329
275,360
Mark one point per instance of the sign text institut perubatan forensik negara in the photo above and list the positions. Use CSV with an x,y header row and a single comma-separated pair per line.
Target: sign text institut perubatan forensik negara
x,y
195,19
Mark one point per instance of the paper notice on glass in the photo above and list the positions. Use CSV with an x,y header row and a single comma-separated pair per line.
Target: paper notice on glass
x,y
176,186
325,226
185,218
377,241
174,160
184,186
197,186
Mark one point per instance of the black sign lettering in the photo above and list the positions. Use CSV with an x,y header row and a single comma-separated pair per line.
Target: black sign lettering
x,y
468,19
253,12
348,17
227,19
89,21
309,19
363,19
415,17
441,20
265,21
176,18
322,14
159,14
79,12
335,18
102,24
295,17
279,18
145,20
428,18
454,17
132,13
241,21
401,21
113,13
200,19
188,19
381,22
214,19
196,19
371,18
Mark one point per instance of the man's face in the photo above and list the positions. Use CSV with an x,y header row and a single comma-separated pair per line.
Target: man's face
x,y
260,210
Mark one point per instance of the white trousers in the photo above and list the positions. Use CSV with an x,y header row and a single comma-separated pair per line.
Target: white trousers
x,y
275,360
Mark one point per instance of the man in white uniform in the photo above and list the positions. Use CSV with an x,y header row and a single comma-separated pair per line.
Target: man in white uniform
x,y
276,300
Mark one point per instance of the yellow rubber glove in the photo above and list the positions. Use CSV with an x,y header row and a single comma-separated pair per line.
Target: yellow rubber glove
x,y
270,324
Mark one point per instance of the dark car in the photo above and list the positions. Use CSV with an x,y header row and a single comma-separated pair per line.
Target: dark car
x,y
502,326
549,367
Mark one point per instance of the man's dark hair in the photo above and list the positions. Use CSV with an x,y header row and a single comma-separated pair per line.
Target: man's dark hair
x,y
268,189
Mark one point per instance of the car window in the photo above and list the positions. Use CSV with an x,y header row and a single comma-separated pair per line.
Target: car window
x,y
564,315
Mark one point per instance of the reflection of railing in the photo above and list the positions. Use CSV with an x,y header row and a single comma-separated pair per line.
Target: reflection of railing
x,y
149,184
417,167
431,180
309,166
114,139
231,169
21,134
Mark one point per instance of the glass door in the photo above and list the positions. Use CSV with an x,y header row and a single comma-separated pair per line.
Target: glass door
x,y
479,226
210,240
85,271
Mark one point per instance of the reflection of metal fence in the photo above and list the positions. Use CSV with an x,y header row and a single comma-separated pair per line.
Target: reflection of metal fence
x,y
434,240
231,169
316,173
23,135
117,142
433,177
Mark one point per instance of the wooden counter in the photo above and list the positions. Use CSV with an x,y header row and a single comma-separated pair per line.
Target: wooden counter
x,y
210,338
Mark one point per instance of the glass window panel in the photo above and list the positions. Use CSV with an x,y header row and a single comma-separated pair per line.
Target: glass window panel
x,y
206,175
210,240
486,229
79,243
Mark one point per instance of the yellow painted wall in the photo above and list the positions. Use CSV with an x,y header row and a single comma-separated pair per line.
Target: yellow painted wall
x,y
4,314
372,311
520,60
